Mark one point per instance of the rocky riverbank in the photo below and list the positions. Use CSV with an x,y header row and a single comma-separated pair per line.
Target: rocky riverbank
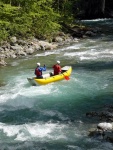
x,y
19,47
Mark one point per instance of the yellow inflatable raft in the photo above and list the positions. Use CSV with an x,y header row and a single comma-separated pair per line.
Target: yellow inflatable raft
x,y
47,78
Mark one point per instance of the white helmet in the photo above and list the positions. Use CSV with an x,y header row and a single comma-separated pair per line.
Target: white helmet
x,y
58,62
38,64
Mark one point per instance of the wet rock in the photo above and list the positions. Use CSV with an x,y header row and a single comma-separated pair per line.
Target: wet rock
x,y
108,136
104,126
104,129
92,114
105,115
105,135
90,33
93,132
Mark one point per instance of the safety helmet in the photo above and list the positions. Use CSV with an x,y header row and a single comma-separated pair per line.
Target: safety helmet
x,y
38,64
58,62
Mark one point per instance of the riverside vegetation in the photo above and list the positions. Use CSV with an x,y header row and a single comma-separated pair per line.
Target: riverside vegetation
x,y
43,18
40,20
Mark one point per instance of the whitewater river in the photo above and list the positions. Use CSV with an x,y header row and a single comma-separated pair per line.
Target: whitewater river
x,y
52,117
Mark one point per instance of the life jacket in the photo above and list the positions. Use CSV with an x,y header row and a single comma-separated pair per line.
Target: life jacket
x,y
57,69
38,72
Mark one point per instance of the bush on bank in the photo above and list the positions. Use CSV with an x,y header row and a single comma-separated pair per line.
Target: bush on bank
x,y
21,21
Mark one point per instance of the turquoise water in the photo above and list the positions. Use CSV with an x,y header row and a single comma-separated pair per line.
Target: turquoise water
x,y
52,117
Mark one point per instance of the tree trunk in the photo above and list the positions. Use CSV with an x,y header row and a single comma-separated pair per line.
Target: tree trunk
x,y
103,6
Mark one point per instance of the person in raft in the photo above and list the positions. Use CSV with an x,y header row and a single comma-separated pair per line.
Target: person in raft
x,y
57,68
38,70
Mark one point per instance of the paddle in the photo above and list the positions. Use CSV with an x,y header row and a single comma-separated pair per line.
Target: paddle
x,y
66,77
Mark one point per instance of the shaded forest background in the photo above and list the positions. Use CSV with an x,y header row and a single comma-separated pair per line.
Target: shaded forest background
x,y
42,18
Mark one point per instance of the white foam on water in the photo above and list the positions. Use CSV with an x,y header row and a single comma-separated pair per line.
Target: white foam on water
x,y
77,46
14,63
48,53
87,58
74,47
75,54
54,113
73,147
19,93
105,86
12,89
96,20
91,54
34,131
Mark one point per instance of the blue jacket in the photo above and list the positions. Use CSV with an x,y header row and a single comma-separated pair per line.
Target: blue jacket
x,y
38,71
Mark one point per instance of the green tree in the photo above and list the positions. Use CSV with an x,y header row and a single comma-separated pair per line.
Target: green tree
x,y
28,18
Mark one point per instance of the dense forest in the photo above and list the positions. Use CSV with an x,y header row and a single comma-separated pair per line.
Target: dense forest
x,y
38,18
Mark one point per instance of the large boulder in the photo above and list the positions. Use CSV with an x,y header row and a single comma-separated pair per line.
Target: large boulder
x,y
58,39
104,126
20,53
47,46
17,47
30,51
36,45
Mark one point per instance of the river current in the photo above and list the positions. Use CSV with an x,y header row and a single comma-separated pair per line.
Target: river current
x,y
52,117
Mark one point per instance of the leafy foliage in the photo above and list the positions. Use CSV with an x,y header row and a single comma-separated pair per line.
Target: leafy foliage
x,y
27,18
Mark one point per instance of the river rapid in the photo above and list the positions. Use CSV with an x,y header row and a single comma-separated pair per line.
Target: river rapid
x,y
52,117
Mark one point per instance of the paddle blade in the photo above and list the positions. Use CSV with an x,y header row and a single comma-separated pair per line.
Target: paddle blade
x,y
66,77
